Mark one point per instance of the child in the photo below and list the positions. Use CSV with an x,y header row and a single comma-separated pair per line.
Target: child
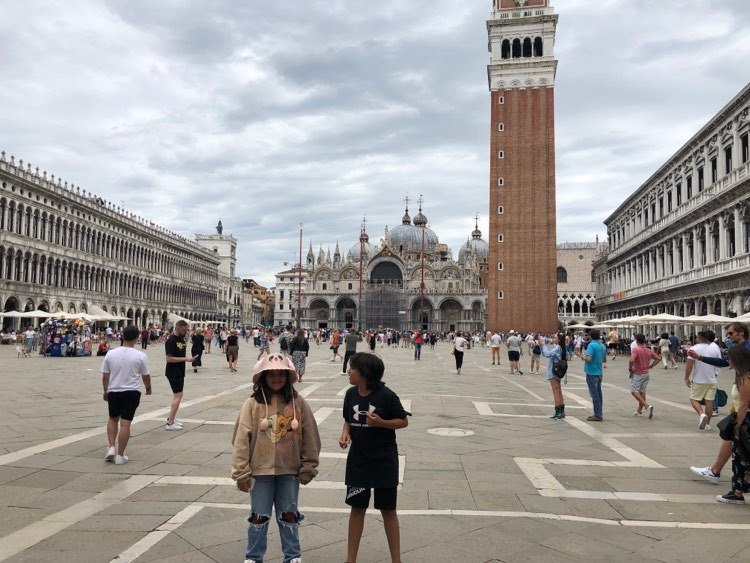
x,y
372,414
276,447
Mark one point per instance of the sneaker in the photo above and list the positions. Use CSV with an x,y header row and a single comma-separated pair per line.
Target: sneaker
x,y
296,560
177,423
707,474
637,413
172,427
716,413
520,372
650,412
731,498
708,427
111,452
121,459
702,420
593,418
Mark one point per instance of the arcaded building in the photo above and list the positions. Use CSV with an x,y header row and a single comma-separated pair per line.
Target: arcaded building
x,y
576,282
522,241
65,249
680,243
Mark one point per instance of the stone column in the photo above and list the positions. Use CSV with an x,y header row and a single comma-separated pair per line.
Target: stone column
x,y
696,245
724,236
738,242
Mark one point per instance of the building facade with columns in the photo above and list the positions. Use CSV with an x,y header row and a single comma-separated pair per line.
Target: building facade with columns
x,y
522,212
576,283
65,249
229,294
680,243
392,274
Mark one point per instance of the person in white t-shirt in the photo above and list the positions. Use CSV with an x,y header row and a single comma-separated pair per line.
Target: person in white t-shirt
x,y
495,347
459,346
122,371
701,378
29,336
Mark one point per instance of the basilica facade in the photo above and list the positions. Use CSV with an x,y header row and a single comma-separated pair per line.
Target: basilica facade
x,y
65,249
408,281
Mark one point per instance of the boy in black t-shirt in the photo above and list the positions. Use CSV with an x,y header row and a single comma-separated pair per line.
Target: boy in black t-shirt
x,y
372,414
176,352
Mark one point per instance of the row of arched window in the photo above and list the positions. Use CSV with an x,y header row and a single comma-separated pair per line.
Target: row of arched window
x,y
517,48
572,306
33,223
38,269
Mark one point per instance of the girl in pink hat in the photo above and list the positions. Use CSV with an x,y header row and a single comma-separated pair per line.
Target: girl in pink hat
x,y
276,447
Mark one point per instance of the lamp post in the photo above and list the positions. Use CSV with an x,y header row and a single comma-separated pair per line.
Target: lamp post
x,y
361,257
421,283
299,280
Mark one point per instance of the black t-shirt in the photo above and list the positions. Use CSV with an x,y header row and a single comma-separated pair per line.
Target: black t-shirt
x,y
373,454
175,346
232,340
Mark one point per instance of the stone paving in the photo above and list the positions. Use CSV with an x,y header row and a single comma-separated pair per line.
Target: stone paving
x,y
518,488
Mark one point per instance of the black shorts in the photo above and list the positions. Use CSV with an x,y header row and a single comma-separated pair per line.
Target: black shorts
x,y
514,355
359,497
122,404
176,382
612,345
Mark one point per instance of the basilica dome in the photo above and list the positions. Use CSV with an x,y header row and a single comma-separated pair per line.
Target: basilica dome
x,y
370,250
408,235
479,247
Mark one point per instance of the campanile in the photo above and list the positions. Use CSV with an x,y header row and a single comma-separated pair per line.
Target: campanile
x,y
522,282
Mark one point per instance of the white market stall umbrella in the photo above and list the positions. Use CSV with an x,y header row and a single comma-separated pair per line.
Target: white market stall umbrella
x,y
743,318
579,327
12,314
636,319
708,320
662,319
102,315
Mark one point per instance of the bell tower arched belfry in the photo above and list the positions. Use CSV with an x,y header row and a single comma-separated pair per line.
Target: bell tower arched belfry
x,y
521,286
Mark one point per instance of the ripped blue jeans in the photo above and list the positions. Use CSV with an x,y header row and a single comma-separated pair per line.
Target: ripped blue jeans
x,y
281,492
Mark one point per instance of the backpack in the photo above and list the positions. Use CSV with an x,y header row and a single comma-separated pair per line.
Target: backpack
x,y
284,344
560,368
537,350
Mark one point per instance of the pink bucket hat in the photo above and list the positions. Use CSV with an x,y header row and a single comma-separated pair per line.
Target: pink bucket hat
x,y
274,362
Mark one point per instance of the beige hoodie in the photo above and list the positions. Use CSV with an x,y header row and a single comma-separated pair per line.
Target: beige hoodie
x,y
279,450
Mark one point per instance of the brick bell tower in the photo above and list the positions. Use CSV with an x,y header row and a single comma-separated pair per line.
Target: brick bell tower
x,y
522,282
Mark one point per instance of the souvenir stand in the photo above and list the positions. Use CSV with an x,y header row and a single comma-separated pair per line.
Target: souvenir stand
x,y
67,335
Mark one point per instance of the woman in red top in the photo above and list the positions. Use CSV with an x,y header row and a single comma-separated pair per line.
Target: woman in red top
x,y
418,341
335,343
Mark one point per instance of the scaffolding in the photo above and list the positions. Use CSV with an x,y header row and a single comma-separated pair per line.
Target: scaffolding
x,y
384,305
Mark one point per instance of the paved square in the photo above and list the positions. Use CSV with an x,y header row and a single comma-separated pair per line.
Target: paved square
x,y
517,487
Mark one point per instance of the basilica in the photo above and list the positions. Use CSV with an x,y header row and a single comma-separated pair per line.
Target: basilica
x,y
408,281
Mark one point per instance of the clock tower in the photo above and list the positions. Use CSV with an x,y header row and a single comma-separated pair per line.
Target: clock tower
x,y
522,281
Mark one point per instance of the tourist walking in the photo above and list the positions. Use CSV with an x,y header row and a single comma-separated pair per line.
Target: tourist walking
x,y
335,343
196,349
459,346
739,361
122,371
664,350
175,350
275,447
299,348
232,350
554,355
613,342
495,341
594,358
350,348
535,353
738,332
514,352
642,360
145,334
372,414
418,341
263,342
208,337
700,378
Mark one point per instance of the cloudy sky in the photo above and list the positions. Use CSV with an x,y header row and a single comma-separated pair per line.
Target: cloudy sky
x,y
265,114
